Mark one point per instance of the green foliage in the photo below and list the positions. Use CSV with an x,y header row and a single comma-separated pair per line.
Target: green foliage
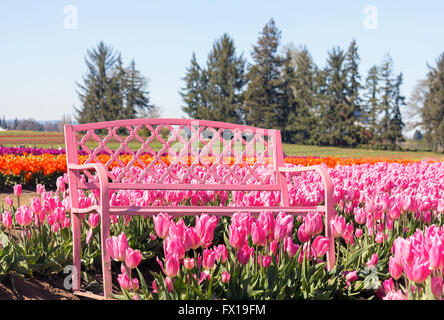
x,y
432,111
265,94
215,92
109,90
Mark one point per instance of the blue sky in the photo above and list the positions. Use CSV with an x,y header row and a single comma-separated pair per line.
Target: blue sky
x,y
41,60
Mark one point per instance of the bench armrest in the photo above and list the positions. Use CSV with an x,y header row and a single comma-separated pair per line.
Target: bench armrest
x,y
328,184
103,179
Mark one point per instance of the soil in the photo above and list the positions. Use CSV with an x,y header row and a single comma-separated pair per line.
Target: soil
x,y
35,289
25,198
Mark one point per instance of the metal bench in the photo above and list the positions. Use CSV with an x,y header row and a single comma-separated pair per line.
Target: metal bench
x,y
168,154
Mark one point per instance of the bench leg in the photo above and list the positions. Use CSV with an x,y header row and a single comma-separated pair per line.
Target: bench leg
x,y
106,262
329,213
76,251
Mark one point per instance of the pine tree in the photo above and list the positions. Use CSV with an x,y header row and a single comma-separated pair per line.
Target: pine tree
x,y
301,122
433,110
135,93
225,72
396,123
194,92
264,94
335,109
371,103
353,111
386,72
111,91
95,104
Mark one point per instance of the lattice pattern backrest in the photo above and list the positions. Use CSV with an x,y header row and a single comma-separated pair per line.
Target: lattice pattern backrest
x,y
178,151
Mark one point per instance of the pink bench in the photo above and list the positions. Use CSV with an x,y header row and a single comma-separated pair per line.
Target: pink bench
x,y
229,157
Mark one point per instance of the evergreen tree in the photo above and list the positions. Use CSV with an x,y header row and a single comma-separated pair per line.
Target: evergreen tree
x,y
386,74
396,123
353,112
225,72
433,110
111,91
263,106
301,122
335,112
371,103
194,92
93,93
135,93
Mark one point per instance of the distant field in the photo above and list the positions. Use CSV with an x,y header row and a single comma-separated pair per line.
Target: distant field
x,y
56,140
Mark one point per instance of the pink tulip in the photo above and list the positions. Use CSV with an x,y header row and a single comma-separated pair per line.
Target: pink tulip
x,y
373,261
23,216
209,259
221,253
36,205
7,219
303,236
18,190
66,223
169,284
358,233
313,223
394,269
205,230
172,265
351,276
60,183
188,263
9,201
436,256
225,277
154,286
259,234
117,246
124,281
40,188
273,246
266,261
133,258
337,224
161,225
191,239
93,220
174,246
360,216
89,236
244,254
417,271
348,233
395,295
237,236
320,246
379,238
283,226
290,247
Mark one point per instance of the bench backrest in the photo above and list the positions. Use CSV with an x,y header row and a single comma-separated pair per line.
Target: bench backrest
x,y
177,154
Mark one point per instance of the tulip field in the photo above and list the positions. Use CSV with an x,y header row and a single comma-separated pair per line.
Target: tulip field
x,y
389,234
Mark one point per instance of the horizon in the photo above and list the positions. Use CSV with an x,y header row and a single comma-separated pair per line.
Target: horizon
x,y
45,43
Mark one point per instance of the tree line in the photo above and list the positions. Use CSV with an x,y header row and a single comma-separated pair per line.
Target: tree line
x,y
282,88
427,102
286,90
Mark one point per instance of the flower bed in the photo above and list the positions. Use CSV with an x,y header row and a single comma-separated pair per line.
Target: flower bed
x,y
31,166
